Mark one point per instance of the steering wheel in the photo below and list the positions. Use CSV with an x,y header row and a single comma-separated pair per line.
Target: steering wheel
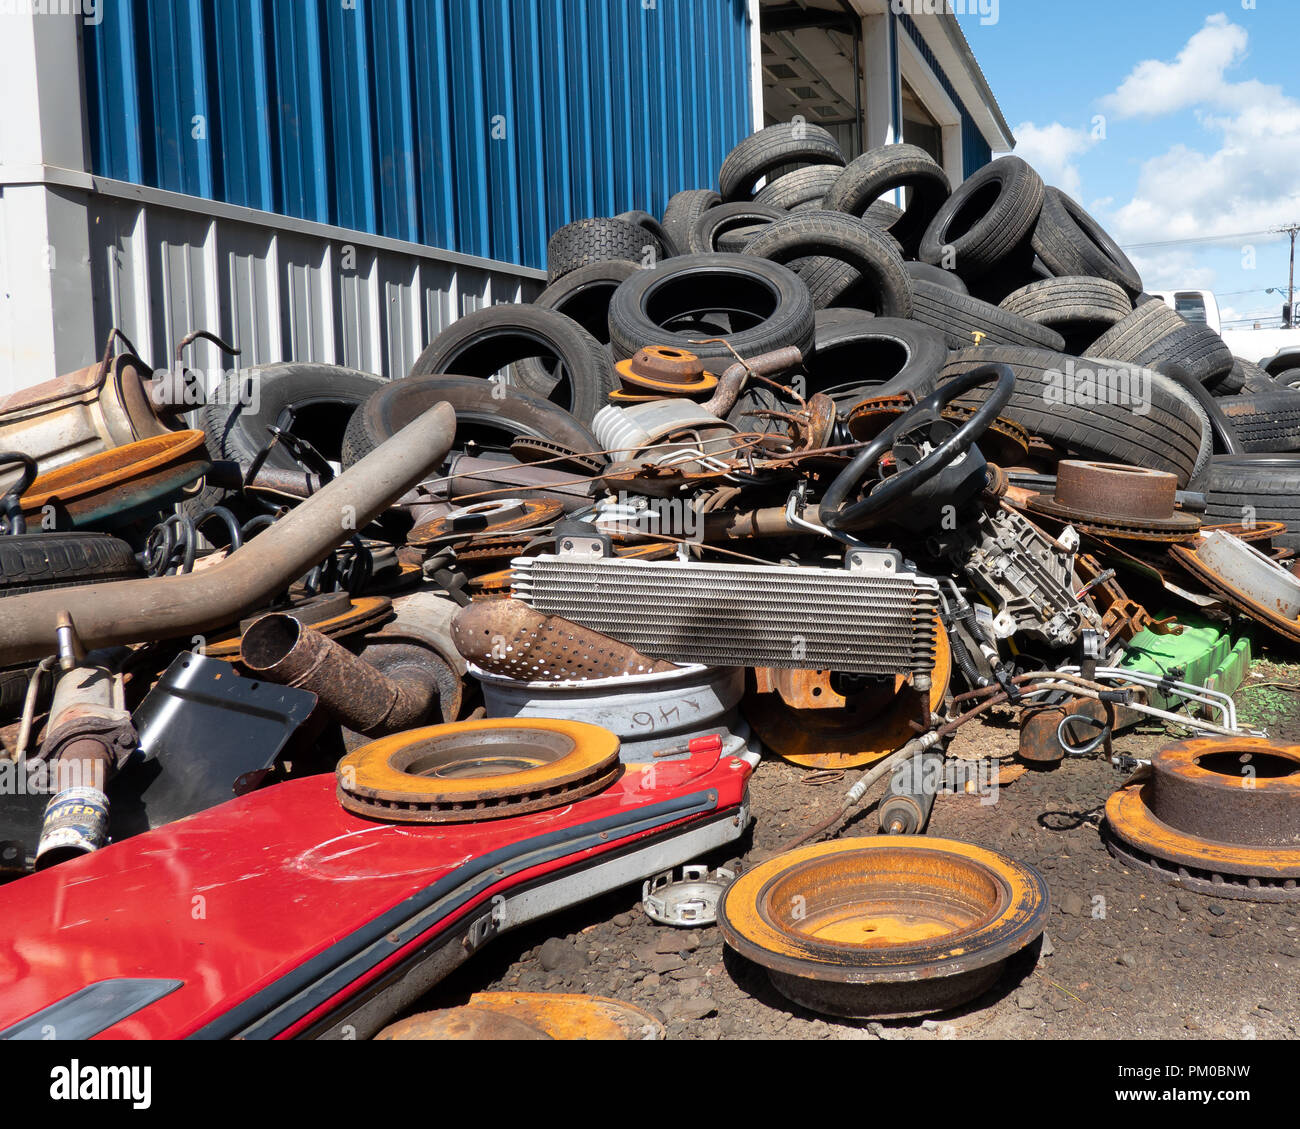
x,y
890,495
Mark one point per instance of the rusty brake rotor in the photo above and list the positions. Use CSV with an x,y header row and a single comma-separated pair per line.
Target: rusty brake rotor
x,y
1117,501
1217,816
885,927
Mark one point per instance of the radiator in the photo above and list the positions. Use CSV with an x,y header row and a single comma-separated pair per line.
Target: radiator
x,y
871,623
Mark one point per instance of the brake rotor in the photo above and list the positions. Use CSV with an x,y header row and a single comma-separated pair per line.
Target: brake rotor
x,y
529,449
334,614
115,486
469,523
1115,500
475,770
1220,816
859,730
886,927
531,1015
665,370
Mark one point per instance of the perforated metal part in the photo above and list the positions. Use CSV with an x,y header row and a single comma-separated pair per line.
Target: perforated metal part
x,y
509,638
744,615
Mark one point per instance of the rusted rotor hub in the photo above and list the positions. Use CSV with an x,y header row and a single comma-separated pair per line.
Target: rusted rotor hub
x,y
1005,442
884,928
1116,498
530,1015
558,456
1219,816
661,368
475,770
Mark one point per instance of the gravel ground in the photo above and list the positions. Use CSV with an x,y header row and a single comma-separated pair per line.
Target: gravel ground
x,y
1124,957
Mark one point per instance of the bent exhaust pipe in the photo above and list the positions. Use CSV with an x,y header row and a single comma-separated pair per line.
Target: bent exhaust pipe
x,y
280,649
135,611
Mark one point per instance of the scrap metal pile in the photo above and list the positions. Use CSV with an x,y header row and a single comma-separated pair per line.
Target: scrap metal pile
x,y
387,668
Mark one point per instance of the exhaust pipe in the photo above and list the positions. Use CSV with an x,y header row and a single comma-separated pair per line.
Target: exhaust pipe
x,y
135,611
280,649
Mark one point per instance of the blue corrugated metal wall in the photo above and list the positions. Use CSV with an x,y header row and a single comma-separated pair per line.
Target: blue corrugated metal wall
x,y
477,126
976,152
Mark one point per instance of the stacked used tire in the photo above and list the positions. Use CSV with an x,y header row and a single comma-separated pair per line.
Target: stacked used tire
x,y
890,280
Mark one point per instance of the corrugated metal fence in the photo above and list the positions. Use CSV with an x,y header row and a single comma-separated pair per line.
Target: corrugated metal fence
x,y
476,126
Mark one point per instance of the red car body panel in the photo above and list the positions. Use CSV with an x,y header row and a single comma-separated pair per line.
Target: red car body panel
x,y
281,885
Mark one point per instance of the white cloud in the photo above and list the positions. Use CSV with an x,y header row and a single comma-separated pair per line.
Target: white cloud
x,y
1173,268
1249,183
1053,150
1154,88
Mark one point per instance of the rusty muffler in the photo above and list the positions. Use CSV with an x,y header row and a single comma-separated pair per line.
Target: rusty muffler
x,y
132,611
280,649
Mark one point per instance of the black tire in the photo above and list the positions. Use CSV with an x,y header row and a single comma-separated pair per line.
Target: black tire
x,y
860,356
883,169
314,402
729,227
682,212
802,188
790,144
491,338
584,242
876,275
34,562
487,413
1281,361
1233,381
1223,439
1079,309
646,222
1196,348
959,317
1169,436
1288,378
584,295
1256,488
1267,422
1131,337
1071,242
1067,301
765,307
883,214
1250,380
926,272
986,219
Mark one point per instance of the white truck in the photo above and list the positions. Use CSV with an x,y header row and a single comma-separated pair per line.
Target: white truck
x,y
1276,350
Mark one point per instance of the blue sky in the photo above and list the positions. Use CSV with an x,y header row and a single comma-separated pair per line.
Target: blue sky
x,y
1173,121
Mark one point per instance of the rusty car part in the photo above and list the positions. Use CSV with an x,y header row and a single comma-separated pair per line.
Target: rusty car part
x,y
508,638
1117,501
279,648
133,611
884,928
114,487
475,478
735,378
531,1016
475,770
1215,816
419,632
1040,729
486,519
557,456
905,807
334,614
685,900
82,413
874,617
665,371
1122,618
809,722
1265,603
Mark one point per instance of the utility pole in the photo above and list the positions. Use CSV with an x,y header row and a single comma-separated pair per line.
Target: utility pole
x,y
1291,230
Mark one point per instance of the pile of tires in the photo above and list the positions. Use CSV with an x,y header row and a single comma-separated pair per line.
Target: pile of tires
x,y
890,280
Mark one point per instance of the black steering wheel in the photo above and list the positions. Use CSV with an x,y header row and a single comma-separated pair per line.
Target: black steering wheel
x,y
888,496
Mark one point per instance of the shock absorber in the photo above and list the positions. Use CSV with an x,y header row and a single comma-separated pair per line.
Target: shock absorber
x,y
909,799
